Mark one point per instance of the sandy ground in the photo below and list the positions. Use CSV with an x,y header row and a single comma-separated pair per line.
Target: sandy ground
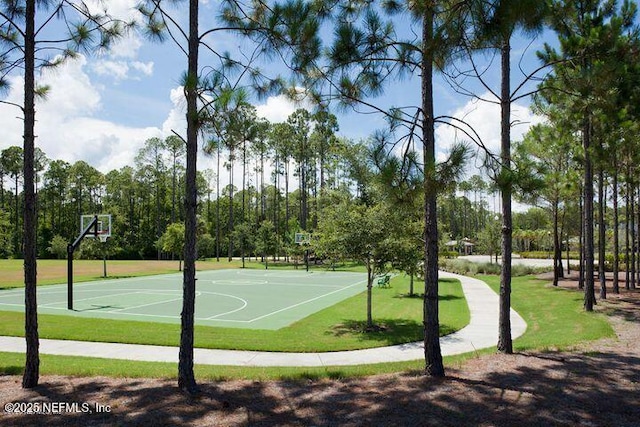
x,y
596,384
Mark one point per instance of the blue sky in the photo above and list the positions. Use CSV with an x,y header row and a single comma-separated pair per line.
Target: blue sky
x,y
101,109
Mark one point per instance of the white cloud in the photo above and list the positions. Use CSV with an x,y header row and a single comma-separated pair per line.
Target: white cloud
x,y
484,119
278,108
120,9
119,62
119,70
145,68
67,126
126,47
176,121
122,70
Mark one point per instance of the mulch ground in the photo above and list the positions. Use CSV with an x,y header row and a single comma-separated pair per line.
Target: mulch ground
x,y
595,384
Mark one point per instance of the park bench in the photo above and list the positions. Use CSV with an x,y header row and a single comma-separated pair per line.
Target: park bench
x,y
383,281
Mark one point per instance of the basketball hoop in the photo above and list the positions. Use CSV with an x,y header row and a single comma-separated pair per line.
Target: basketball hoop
x,y
103,238
302,238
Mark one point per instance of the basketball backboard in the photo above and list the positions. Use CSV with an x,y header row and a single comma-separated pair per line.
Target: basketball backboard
x,y
104,225
302,238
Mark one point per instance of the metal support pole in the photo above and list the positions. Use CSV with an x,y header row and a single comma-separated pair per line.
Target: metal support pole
x,y
70,249
70,277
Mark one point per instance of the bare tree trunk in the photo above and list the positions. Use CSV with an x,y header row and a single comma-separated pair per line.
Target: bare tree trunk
x,y
557,255
627,240
186,378
369,292
587,222
581,239
218,204
433,354
632,236
616,237
635,245
568,254
601,235
276,204
32,365
505,344
230,221
303,188
411,280
286,201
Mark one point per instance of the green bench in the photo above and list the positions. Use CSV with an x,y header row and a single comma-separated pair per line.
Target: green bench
x,y
383,281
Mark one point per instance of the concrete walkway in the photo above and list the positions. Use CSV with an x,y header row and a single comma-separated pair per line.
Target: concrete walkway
x,y
481,332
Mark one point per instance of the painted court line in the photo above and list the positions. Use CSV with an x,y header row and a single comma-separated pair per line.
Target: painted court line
x,y
304,302
148,304
244,305
87,299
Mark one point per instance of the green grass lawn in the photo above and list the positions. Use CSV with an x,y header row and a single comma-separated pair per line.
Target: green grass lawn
x,y
555,318
557,321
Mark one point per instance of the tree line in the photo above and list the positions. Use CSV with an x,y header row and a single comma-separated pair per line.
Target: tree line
x,y
280,182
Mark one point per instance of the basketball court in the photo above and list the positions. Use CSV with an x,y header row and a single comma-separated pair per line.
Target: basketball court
x,y
252,299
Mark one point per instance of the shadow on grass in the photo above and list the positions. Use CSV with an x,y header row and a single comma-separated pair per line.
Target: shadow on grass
x,y
527,390
12,370
421,296
387,331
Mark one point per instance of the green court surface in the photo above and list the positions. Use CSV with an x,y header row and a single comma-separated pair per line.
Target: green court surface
x,y
252,299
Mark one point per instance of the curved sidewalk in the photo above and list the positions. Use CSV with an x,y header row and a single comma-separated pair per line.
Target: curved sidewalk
x,y
481,332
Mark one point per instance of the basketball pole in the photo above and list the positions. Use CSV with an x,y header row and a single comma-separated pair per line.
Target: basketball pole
x,y
70,249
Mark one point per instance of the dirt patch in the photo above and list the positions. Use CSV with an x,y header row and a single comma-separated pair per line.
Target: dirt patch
x,y
595,384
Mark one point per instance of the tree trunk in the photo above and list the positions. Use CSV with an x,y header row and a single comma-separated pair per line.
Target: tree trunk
x,y
505,344
568,254
276,205
616,226
173,191
186,378
635,244
627,240
218,204
32,365
230,222
158,213
581,242
587,222
411,284
433,354
369,295
286,203
632,236
263,199
243,218
557,255
601,235
16,238
303,188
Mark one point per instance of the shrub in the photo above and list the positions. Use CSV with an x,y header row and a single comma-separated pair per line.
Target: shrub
x,y
465,267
